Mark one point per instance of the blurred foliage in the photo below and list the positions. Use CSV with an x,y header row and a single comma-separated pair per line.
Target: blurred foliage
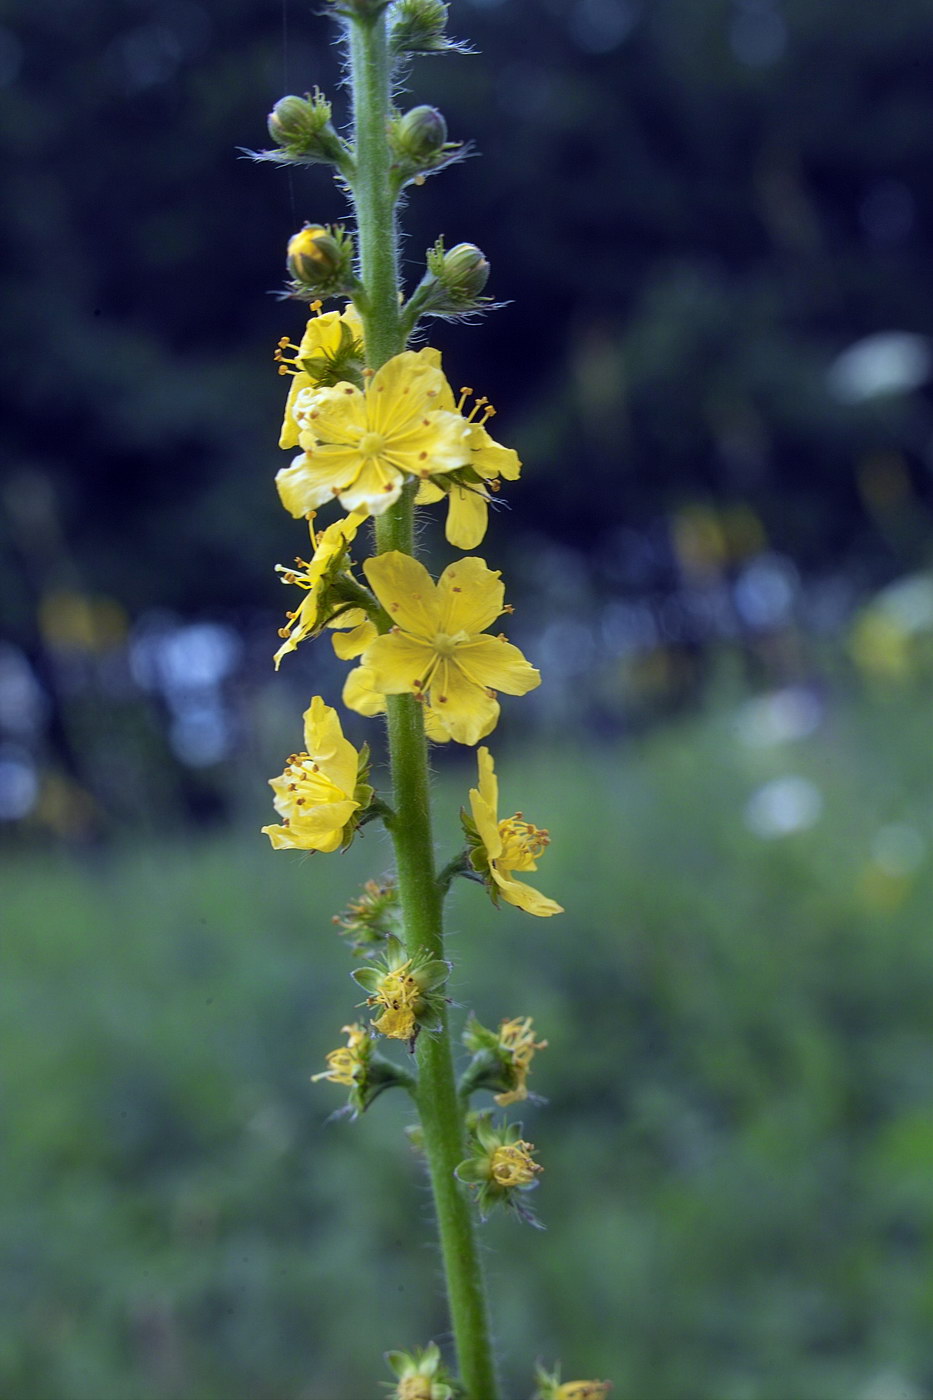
x,y
693,209
738,1076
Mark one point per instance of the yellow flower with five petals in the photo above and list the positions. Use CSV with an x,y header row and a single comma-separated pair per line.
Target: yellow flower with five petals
x,y
329,341
362,445
500,848
437,650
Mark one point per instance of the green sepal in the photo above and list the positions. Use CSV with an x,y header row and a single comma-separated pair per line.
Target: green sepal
x,y
368,978
471,1172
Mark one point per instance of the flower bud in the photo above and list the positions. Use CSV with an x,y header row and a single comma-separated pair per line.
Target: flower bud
x,y
418,27
293,120
319,259
420,134
464,272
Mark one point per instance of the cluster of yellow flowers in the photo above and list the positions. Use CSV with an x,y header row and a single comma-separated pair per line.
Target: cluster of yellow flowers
x,y
363,436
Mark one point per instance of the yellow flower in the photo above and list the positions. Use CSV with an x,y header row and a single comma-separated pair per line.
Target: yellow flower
x,y
315,576
349,1062
509,845
361,446
517,1039
320,792
511,1164
437,651
329,342
468,490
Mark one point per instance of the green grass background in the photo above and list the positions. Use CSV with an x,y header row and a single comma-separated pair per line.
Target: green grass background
x,y
738,1142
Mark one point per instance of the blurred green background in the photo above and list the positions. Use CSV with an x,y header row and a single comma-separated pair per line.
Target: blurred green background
x,y
713,224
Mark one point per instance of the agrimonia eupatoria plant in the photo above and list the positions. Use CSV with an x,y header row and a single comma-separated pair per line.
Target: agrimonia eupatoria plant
x,y
377,433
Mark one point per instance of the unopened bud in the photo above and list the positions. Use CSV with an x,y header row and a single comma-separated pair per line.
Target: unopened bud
x,y
418,27
294,121
420,134
464,271
320,258
313,253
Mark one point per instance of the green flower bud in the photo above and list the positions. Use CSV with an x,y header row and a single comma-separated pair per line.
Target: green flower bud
x,y
418,27
463,271
295,121
420,134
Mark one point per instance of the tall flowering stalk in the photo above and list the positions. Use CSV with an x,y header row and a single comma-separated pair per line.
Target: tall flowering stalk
x,y
379,434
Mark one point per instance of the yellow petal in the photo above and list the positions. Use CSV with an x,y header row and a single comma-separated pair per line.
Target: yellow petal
x,y
359,694
428,493
303,486
376,487
470,596
467,516
489,661
354,643
406,591
490,458
324,741
524,897
488,784
397,660
400,393
468,712
335,415
483,806
289,434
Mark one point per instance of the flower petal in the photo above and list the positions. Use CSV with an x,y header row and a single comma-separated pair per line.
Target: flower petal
x,y
324,741
406,591
468,712
470,596
524,897
467,516
490,661
334,415
377,487
359,694
304,485
397,660
354,643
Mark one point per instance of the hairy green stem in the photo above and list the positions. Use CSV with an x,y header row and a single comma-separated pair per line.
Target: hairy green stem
x,y
439,1107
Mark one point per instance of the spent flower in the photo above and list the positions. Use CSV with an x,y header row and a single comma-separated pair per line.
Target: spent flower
x,y
501,1059
550,1387
358,1068
501,1166
421,1375
437,650
498,848
406,988
371,917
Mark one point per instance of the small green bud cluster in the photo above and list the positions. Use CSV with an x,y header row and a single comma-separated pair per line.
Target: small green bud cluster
x,y
320,262
421,1375
301,127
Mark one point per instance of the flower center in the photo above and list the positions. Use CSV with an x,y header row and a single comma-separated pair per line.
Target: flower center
x,y
522,842
372,444
510,1164
445,643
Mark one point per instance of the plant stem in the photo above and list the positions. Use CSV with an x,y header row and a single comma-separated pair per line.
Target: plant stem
x,y
440,1110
